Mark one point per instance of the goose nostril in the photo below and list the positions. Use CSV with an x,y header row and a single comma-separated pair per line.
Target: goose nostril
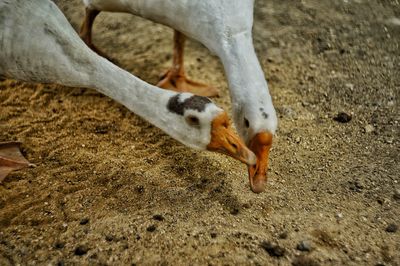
x,y
232,144
246,123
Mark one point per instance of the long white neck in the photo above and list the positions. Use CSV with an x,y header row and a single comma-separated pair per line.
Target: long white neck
x,y
249,92
38,44
223,26
143,99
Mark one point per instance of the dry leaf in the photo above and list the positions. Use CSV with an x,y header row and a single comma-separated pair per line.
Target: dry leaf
x,y
11,158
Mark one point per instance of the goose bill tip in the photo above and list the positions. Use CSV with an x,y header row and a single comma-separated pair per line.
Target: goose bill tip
x,y
260,144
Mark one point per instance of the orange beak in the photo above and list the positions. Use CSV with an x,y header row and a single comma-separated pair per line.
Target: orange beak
x,y
260,144
224,140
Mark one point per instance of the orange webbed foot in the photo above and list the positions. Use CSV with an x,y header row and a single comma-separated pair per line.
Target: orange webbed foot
x,y
180,83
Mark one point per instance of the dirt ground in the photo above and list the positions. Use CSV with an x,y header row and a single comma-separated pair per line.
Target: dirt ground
x,y
111,189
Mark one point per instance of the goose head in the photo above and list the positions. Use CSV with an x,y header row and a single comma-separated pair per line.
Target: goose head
x,y
200,124
252,107
253,110
256,122
228,34
225,28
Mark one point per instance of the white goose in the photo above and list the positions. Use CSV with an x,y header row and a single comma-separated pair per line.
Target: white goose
x,y
225,28
38,44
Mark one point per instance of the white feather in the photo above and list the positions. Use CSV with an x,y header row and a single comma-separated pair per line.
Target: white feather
x,y
37,43
224,26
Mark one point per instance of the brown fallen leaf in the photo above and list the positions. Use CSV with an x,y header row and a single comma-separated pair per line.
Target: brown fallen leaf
x,y
11,158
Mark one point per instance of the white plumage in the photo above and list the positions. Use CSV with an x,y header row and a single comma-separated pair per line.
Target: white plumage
x,y
225,28
37,43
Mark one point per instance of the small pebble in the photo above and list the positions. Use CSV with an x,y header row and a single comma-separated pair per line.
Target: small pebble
x,y
342,117
59,245
339,216
283,235
273,249
304,245
109,238
84,221
389,141
369,128
213,234
81,250
349,86
287,112
139,189
151,228
392,228
235,211
158,217
246,205
355,258
356,185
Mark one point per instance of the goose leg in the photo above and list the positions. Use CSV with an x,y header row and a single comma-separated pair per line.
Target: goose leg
x,y
86,30
175,78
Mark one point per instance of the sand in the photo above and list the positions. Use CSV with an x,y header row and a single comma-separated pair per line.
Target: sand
x,y
111,189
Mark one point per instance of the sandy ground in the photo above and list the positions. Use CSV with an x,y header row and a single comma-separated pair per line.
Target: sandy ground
x,y
109,188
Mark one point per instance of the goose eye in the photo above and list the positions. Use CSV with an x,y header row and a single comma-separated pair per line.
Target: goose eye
x,y
246,123
193,120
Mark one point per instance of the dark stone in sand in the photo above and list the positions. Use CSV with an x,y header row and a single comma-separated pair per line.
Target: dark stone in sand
x,y
158,217
109,238
235,211
81,250
59,245
273,249
342,117
84,221
392,228
151,228
304,245
283,235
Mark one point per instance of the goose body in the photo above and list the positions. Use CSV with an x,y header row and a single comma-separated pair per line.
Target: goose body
x,y
225,28
38,44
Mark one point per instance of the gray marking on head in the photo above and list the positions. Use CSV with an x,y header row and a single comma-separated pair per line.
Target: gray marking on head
x,y
195,102
264,114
